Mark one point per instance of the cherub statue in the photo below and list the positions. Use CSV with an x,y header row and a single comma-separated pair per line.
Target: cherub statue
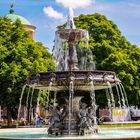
x,y
55,119
83,116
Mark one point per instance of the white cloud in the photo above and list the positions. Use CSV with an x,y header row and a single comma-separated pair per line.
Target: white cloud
x,y
75,3
49,11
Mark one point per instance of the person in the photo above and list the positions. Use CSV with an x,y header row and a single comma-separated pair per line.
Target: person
x,y
38,122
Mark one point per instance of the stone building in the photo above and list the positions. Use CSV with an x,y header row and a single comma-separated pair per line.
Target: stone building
x,y
27,25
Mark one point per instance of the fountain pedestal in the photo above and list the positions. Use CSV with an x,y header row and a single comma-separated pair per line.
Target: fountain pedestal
x,y
79,122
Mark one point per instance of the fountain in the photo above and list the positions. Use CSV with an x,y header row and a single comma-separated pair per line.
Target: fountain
x,y
75,73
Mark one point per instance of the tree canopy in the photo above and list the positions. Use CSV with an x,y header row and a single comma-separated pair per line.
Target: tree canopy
x,y
19,56
113,52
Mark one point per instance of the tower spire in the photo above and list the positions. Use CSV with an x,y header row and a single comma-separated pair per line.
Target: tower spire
x,y
11,8
70,21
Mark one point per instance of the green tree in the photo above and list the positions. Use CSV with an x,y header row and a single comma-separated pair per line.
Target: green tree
x,y
113,52
19,56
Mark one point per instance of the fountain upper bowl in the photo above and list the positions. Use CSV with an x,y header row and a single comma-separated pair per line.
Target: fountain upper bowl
x,y
60,80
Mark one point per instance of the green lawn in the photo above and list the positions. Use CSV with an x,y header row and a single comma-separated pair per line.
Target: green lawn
x,y
119,125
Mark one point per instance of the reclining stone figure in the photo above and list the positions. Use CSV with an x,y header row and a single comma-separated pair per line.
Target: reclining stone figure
x,y
55,119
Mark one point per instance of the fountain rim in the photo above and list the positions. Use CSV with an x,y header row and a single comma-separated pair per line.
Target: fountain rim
x,y
99,77
96,71
67,137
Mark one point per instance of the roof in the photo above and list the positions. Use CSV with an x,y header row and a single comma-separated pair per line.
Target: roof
x,y
13,17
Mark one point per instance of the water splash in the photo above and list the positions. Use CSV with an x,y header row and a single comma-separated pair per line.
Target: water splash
x,y
71,49
111,94
126,100
27,100
119,98
125,95
49,89
76,53
93,100
30,109
20,101
122,95
37,104
109,103
48,98
71,92
55,94
70,21
60,53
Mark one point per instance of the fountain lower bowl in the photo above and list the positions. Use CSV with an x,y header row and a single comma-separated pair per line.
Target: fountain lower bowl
x,y
41,133
60,79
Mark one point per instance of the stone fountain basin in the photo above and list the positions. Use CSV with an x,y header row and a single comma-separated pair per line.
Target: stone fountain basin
x,y
41,133
60,80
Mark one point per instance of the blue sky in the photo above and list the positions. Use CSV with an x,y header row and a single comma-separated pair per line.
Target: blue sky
x,y
46,15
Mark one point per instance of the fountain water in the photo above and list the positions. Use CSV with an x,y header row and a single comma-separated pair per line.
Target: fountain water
x,y
26,107
38,104
125,96
30,109
49,89
119,98
123,99
20,100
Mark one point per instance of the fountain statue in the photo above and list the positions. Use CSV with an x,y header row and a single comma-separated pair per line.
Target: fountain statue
x,y
75,73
